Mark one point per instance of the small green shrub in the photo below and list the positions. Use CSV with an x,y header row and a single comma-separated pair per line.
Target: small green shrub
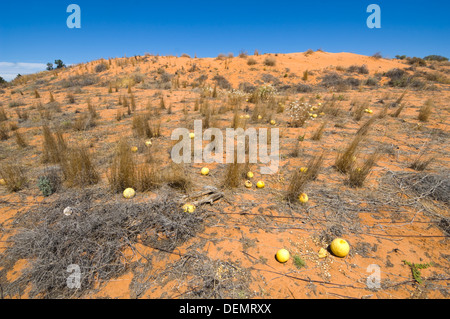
x,y
45,186
299,262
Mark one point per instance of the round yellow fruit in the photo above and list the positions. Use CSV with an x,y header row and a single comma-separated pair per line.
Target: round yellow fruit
x,y
188,208
191,135
250,175
303,198
272,122
129,193
303,169
260,184
205,171
259,117
134,149
247,116
340,247
314,115
148,143
282,255
2,182
248,184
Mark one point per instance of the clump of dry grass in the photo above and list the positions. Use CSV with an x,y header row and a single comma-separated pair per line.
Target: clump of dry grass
x,y
176,176
140,126
260,112
364,129
84,121
398,111
122,173
14,176
3,115
384,112
70,98
346,157
270,61
420,164
233,173
319,132
330,107
78,169
236,121
358,110
300,178
13,126
54,146
92,110
3,132
20,140
425,110
146,177
22,115
357,175
296,152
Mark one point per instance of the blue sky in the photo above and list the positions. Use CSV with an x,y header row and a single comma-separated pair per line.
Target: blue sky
x,y
33,33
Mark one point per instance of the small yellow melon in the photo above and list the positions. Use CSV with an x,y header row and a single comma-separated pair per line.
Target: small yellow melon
x,y
250,175
205,171
303,198
191,135
272,122
129,193
148,143
340,247
2,182
248,184
260,184
188,208
282,255
134,149
303,169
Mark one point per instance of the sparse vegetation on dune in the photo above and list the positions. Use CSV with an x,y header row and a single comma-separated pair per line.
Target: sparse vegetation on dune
x,y
87,178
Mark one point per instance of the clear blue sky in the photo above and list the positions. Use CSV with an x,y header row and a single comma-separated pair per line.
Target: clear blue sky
x,y
36,31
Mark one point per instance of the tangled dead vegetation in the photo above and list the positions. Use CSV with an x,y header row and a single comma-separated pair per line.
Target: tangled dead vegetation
x,y
425,185
202,277
94,237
